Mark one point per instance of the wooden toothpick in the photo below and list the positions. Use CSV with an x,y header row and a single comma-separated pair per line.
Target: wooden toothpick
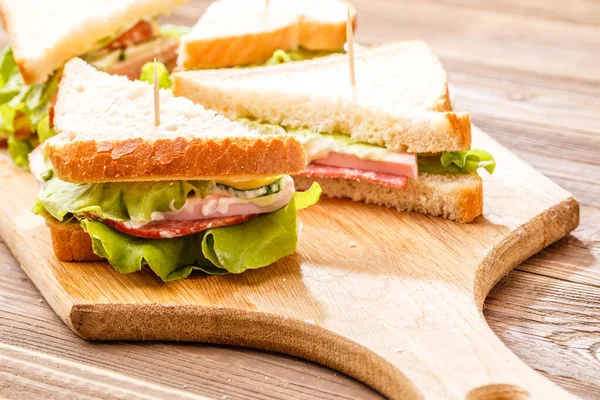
x,y
350,42
156,97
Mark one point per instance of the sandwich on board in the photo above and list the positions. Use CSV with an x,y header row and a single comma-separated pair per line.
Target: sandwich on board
x,y
391,140
198,191
117,36
234,33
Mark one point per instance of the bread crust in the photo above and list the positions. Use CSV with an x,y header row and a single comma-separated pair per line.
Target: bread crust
x,y
28,76
239,50
177,159
232,51
70,242
431,127
319,36
451,132
455,197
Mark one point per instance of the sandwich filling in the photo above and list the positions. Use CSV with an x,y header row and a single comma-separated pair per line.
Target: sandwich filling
x,y
175,227
26,110
338,156
300,54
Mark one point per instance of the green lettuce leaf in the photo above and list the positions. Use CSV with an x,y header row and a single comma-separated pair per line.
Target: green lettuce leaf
x,y
282,56
458,162
131,201
23,107
135,201
261,241
147,75
232,249
309,198
44,130
169,259
19,150
174,31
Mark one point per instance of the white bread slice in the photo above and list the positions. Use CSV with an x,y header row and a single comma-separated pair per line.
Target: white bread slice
x,y
454,196
241,32
46,34
400,101
107,133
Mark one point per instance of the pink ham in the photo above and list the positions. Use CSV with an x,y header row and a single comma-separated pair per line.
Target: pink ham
x,y
326,171
225,206
166,53
402,164
201,214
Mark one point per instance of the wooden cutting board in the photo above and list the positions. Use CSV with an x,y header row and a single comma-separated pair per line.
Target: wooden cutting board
x,y
392,299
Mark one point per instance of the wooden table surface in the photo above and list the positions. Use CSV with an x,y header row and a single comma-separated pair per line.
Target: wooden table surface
x,y
528,72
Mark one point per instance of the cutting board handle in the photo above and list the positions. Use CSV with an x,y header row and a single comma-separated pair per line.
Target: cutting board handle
x,y
482,368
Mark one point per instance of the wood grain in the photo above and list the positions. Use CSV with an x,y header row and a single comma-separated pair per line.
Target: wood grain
x,y
539,103
399,311
27,322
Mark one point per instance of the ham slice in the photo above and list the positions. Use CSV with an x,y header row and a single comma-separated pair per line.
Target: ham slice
x,y
172,229
213,206
200,214
166,53
379,178
403,164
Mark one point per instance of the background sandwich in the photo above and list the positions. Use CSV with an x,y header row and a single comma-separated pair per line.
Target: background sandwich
x,y
117,36
196,192
234,33
392,140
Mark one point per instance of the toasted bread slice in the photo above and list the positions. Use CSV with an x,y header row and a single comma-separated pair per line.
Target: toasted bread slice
x,y
70,241
107,133
457,197
46,34
240,32
401,99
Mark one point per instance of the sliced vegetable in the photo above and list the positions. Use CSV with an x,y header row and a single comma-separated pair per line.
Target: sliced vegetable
x,y
147,75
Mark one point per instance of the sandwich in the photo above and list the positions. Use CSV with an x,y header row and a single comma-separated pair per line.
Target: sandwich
x,y
234,33
113,35
196,192
391,140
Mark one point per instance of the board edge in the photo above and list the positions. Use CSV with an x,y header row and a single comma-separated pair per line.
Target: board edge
x,y
257,330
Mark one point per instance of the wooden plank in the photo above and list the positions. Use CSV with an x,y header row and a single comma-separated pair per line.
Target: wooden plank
x,y
580,12
575,258
518,42
28,373
544,320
